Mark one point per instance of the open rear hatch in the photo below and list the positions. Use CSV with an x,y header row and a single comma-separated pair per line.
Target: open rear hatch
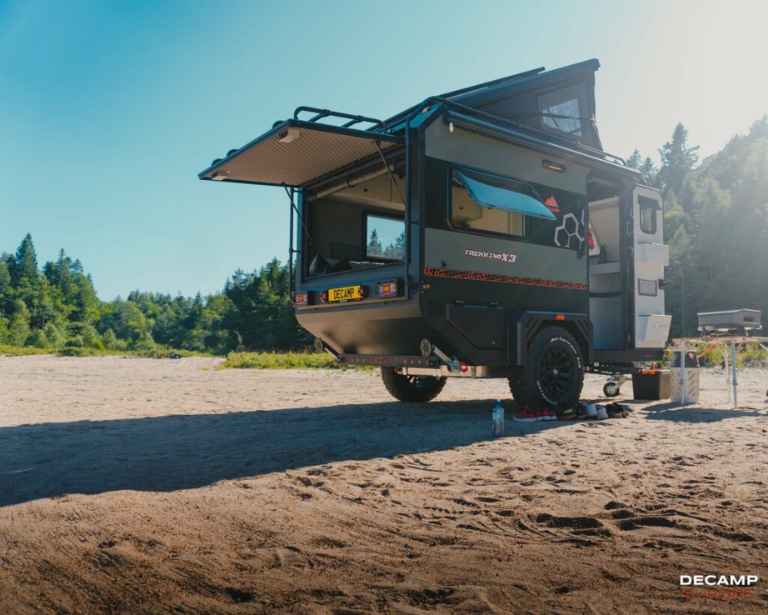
x,y
345,175
298,154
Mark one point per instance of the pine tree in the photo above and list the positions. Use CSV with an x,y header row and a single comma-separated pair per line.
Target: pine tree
x,y
25,263
646,166
85,301
6,287
38,339
649,171
54,335
374,244
677,160
5,277
110,340
18,327
635,159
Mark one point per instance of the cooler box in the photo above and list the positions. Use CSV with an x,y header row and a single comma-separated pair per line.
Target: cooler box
x,y
652,384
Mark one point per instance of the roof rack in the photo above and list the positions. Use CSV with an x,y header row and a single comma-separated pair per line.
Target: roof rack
x,y
321,114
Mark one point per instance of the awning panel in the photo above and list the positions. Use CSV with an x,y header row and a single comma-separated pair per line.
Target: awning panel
x,y
489,195
297,153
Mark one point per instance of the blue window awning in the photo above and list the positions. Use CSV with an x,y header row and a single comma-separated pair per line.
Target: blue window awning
x,y
508,199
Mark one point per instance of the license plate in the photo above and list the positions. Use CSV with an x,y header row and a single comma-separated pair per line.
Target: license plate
x,y
345,293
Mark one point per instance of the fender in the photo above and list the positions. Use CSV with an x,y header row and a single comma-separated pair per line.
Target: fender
x,y
524,326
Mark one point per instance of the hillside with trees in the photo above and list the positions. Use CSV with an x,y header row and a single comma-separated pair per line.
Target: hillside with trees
x,y
715,221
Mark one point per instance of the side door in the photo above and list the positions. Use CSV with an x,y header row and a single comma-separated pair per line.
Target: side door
x,y
650,257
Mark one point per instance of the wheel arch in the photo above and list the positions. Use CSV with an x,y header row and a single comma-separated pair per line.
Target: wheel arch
x,y
529,323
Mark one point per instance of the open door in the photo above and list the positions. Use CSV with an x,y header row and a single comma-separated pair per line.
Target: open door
x,y
651,326
297,154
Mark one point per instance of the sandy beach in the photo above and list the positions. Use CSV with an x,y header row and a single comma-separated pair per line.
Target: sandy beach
x,y
170,486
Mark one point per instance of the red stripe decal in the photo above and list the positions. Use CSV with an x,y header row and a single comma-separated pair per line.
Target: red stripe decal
x,y
500,279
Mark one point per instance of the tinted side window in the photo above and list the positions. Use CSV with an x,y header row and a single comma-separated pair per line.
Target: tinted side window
x,y
648,215
561,110
465,213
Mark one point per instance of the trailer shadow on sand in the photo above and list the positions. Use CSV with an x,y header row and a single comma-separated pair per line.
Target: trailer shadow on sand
x,y
174,452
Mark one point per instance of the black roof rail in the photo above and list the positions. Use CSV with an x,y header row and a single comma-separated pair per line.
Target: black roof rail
x,y
395,119
568,142
321,114
487,84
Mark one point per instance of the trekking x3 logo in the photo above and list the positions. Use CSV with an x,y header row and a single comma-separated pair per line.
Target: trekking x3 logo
x,y
503,257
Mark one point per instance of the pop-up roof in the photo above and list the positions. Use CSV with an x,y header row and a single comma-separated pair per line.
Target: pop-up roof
x,y
560,102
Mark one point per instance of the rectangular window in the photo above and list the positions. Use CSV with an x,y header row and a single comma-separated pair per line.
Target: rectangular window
x,y
384,237
479,205
560,110
648,288
648,209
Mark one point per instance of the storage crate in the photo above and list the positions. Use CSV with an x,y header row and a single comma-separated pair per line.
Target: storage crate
x,y
652,384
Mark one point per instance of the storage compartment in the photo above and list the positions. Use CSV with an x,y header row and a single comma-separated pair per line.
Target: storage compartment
x,y
653,255
652,330
483,326
652,385
607,322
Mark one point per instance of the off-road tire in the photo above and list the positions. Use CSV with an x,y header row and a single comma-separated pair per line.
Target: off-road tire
x,y
411,388
517,386
553,374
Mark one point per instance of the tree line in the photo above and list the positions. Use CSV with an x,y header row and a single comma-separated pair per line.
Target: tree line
x,y
56,307
715,221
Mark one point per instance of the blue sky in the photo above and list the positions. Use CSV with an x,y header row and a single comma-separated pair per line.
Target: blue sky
x,y
109,109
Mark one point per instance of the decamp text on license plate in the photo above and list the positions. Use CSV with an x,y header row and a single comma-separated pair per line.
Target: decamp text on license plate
x,y
345,293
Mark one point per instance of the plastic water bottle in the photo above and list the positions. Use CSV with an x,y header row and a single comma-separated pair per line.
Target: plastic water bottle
x,y
497,420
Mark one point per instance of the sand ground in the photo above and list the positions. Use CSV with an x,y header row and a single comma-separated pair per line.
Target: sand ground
x,y
161,486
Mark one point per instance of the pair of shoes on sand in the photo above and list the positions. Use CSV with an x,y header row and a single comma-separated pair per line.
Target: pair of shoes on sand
x,y
581,411
602,411
531,415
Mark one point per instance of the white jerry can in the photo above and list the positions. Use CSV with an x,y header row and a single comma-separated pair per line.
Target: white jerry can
x,y
685,377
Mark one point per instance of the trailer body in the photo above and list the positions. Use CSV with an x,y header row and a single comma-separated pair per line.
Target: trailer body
x,y
446,240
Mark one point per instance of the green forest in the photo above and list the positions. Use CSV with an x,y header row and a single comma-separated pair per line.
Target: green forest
x,y
56,307
715,221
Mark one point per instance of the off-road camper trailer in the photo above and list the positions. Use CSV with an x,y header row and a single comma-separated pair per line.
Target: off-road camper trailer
x,y
481,233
